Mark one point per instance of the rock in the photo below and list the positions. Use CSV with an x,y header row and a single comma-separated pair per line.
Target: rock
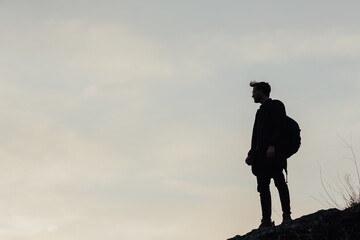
x,y
331,224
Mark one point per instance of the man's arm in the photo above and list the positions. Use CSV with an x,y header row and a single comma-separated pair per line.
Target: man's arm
x,y
251,154
278,114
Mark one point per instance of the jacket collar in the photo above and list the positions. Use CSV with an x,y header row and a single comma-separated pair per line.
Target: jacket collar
x,y
266,102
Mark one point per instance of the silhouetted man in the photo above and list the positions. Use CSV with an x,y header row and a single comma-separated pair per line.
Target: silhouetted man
x,y
267,153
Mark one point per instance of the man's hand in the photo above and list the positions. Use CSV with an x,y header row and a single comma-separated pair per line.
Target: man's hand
x,y
249,160
270,153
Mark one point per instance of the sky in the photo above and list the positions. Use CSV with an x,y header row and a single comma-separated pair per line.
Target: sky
x,y
132,119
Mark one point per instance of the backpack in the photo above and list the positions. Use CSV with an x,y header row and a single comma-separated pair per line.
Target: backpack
x,y
292,136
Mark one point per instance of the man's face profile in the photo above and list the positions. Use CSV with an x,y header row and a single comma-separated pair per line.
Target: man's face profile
x,y
256,95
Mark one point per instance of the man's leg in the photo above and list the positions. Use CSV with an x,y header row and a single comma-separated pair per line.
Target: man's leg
x,y
265,198
284,195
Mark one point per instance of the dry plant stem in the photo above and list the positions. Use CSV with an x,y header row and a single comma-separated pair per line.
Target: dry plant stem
x,y
345,188
353,157
330,200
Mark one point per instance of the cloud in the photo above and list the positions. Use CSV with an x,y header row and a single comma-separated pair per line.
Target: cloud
x,y
213,50
76,49
282,46
21,226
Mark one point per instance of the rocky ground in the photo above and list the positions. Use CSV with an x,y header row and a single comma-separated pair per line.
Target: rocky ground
x,y
331,224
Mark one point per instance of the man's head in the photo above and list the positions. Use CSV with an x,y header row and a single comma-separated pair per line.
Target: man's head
x,y
261,91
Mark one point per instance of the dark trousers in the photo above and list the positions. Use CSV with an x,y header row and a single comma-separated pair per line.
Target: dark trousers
x,y
263,188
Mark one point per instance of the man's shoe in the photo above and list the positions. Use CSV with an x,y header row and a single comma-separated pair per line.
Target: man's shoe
x,y
266,223
286,218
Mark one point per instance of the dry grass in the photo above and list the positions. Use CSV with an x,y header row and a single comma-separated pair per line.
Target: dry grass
x,y
345,192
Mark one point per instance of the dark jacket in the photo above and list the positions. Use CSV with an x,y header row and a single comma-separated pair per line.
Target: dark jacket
x,y
268,131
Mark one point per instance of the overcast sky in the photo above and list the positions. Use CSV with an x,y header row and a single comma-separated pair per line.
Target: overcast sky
x,y
132,119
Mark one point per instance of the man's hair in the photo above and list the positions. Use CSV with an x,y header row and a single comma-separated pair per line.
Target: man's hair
x,y
264,86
